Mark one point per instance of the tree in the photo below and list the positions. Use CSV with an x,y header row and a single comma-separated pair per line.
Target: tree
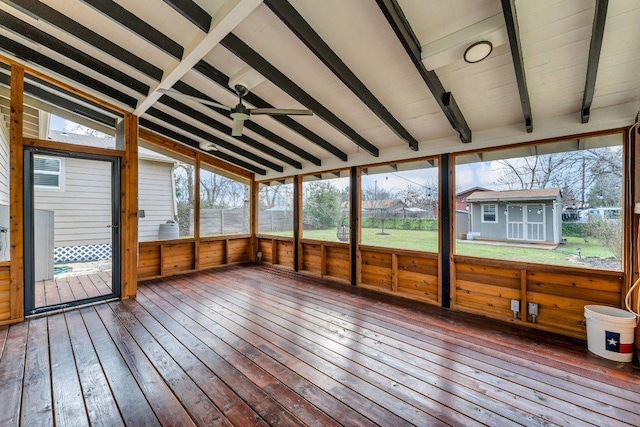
x,y
421,196
575,172
322,204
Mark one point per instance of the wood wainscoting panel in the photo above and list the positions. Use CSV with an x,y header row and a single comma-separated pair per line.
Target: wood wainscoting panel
x,y
486,286
238,250
561,296
337,262
5,293
212,253
284,253
377,271
178,257
266,247
418,276
312,258
149,264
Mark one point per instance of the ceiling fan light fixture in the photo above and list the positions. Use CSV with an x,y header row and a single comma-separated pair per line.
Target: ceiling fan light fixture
x,y
208,146
478,51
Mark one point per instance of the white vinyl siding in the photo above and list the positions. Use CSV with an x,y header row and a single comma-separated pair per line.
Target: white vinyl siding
x,y
489,213
4,170
155,197
83,207
5,237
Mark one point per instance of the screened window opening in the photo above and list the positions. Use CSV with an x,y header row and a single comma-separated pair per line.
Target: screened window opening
x,y
325,207
275,208
165,194
399,205
224,203
557,203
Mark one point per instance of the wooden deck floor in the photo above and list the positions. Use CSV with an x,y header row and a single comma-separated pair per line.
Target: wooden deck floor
x,y
255,345
67,288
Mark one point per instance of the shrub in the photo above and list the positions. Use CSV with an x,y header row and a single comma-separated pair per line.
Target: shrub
x,y
574,229
401,223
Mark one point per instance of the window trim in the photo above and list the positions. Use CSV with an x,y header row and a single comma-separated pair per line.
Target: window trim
x,y
59,173
483,213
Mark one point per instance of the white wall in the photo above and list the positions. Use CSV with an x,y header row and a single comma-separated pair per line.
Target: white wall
x,y
155,197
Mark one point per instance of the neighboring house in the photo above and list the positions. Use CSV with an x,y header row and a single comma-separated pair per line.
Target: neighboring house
x,y
76,195
518,215
377,208
461,197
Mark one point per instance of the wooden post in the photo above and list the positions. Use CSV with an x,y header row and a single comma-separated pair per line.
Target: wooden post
x,y
354,226
394,272
523,295
447,209
16,164
253,219
129,208
323,260
274,251
297,223
634,258
196,211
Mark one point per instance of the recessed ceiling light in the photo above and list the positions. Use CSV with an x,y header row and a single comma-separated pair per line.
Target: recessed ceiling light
x,y
478,51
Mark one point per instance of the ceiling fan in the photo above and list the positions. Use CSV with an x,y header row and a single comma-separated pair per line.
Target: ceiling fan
x,y
240,113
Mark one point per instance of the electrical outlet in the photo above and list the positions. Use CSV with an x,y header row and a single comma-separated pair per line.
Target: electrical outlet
x,y
532,309
515,305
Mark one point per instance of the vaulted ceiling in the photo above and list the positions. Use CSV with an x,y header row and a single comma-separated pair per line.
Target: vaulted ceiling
x,y
386,79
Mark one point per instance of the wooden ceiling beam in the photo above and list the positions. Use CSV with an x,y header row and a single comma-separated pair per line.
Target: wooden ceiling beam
x,y
394,15
45,13
191,11
236,46
28,54
595,47
211,122
223,81
511,20
227,19
297,24
122,16
174,121
38,36
146,135
248,124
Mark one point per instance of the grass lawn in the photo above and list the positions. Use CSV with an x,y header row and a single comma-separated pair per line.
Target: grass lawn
x,y
427,241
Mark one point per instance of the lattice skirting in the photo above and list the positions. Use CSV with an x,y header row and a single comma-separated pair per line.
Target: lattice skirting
x,y
83,253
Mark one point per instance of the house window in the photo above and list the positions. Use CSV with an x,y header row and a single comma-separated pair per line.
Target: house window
x,y
47,172
489,213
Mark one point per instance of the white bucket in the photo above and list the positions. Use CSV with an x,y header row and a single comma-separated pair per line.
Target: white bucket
x,y
610,332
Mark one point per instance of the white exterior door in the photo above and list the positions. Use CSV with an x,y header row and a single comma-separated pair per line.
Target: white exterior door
x,y
535,220
515,222
526,222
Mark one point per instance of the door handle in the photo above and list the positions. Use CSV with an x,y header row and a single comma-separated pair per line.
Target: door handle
x,y
112,226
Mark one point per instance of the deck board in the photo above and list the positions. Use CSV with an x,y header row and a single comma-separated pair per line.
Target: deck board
x,y
68,403
68,288
257,345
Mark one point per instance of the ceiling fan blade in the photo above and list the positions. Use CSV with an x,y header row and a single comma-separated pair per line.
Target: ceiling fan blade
x,y
237,127
281,112
177,94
